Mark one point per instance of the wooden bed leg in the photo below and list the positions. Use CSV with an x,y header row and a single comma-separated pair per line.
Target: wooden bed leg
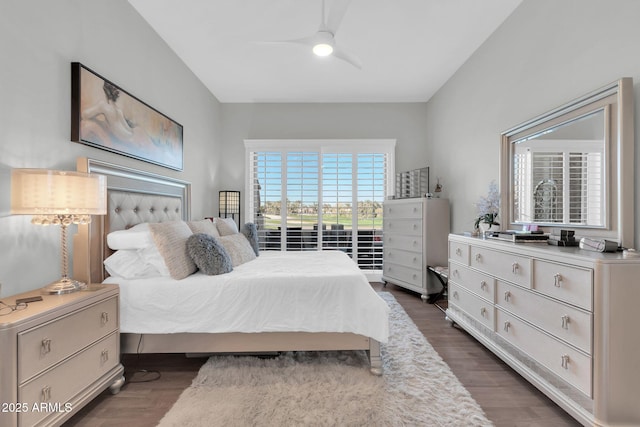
x,y
375,361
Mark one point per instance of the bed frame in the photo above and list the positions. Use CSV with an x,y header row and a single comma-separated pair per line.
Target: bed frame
x,y
134,197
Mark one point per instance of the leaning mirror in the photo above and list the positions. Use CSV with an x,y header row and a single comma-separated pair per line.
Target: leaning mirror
x,y
572,167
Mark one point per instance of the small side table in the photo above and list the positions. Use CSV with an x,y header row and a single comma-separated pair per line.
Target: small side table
x,y
442,274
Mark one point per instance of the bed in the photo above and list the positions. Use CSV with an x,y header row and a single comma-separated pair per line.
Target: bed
x,y
281,301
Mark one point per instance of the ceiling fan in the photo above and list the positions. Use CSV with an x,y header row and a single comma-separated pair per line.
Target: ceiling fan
x,y
323,42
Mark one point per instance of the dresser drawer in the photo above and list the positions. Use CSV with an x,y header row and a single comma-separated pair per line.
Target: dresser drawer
x,y
561,320
60,384
413,276
472,305
564,282
43,346
479,283
402,241
403,210
511,267
459,252
566,362
402,257
411,227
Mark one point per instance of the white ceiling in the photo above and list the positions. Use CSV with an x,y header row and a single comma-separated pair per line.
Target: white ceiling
x,y
408,48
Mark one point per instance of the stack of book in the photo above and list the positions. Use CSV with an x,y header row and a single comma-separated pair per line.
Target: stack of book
x,y
522,236
565,238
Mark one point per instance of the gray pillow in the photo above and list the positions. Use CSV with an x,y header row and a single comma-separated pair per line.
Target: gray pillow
x,y
250,231
209,254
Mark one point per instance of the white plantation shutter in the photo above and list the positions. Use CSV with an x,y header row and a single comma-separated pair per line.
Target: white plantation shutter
x,y
327,196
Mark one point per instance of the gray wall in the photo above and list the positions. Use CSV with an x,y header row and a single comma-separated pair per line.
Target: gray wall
x,y
404,122
545,54
38,41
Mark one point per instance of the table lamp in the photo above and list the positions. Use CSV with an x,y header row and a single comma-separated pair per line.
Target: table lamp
x,y
58,198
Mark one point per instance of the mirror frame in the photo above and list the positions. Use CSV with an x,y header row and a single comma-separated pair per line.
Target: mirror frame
x,y
617,100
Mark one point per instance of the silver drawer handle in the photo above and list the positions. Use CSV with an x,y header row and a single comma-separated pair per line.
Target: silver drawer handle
x,y
483,311
104,356
104,318
45,394
483,285
455,294
507,296
456,273
45,346
415,276
458,251
507,325
565,361
415,226
515,267
557,280
478,257
565,322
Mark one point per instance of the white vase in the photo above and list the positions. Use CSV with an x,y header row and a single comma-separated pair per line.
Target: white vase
x,y
486,227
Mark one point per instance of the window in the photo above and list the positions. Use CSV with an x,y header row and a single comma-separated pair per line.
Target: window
x,y
310,195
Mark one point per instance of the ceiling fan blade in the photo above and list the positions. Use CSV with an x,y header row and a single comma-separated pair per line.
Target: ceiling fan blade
x,y
307,41
336,12
347,56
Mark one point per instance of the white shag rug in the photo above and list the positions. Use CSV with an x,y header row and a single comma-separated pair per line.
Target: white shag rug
x,y
417,388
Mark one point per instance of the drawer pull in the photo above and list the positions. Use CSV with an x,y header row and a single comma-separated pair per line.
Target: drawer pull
x,y
483,285
104,356
565,361
458,251
515,267
507,325
483,311
507,296
565,322
456,273
455,295
557,280
415,226
414,276
478,258
104,318
45,394
45,346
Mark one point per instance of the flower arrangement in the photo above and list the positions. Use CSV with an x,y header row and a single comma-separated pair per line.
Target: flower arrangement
x,y
488,207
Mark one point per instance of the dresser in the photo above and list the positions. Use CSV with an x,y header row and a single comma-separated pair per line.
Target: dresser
x,y
564,318
58,354
415,236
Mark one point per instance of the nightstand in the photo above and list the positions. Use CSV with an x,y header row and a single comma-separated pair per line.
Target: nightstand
x,y
58,354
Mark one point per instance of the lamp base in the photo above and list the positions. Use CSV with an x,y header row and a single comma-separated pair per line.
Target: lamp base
x,y
64,286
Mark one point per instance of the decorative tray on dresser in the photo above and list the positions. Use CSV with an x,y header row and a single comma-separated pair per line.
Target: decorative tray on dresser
x,y
562,317
58,354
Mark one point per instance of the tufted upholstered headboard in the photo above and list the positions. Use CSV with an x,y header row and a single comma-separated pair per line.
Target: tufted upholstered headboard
x,y
133,197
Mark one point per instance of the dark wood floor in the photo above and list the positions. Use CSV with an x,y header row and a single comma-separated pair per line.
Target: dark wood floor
x,y
507,399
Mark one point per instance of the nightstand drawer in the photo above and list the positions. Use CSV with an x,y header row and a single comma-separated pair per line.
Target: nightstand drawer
x,y
43,346
58,386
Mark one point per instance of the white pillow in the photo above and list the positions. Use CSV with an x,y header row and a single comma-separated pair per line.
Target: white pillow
x,y
226,226
171,240
129,264
238,248
136,237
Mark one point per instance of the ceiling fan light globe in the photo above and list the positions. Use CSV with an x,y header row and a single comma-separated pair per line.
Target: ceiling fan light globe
x,y
323,49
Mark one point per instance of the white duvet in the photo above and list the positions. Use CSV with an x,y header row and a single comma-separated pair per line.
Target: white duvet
x,y
277,292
